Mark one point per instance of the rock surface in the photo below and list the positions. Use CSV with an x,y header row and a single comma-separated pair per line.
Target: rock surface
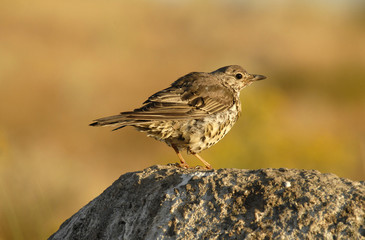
x,y
166,202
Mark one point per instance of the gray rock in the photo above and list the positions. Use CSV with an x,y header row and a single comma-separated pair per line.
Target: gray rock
x,y
166,202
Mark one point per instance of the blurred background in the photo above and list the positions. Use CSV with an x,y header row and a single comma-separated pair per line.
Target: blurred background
x,y
65,63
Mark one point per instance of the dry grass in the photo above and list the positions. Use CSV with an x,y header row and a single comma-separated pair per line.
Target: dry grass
x,y
65,63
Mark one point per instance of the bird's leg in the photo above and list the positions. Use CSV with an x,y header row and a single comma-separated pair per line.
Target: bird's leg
x,y
182,164
207,165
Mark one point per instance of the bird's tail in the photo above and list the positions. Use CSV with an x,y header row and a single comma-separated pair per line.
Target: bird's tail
x,y
120,121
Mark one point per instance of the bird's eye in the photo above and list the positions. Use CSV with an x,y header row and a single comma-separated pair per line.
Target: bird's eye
x,y
239,76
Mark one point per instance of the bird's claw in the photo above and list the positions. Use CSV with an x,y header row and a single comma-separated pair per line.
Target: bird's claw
x,y
183,165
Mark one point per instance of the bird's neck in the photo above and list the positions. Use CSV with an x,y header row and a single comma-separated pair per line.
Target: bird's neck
x,y
238,103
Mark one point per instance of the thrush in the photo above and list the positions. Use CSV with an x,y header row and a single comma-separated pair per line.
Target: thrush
x,y
193,114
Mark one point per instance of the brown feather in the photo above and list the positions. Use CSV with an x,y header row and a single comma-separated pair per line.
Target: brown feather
x,y
191,96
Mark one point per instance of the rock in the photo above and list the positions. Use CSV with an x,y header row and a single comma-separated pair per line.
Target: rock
x,y
166,202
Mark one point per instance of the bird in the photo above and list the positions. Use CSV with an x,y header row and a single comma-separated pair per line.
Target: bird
x,y
193,113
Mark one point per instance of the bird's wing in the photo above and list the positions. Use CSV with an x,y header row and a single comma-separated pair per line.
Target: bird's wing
x,y
192,96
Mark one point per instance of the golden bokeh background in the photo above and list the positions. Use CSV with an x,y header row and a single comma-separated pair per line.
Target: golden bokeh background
x,y
65,63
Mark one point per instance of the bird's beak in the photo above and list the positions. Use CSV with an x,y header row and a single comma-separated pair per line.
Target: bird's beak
x,y
256,77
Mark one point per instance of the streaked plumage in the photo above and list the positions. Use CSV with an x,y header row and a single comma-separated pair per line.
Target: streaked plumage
x,y
193,114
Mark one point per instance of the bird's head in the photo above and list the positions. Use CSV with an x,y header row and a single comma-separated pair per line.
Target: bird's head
x,y
236,77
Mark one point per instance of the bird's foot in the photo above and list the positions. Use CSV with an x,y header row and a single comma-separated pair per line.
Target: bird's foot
x,y
183,165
